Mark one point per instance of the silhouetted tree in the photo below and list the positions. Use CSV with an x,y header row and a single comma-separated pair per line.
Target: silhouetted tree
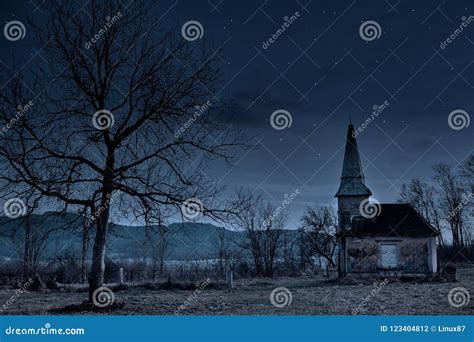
x,y
318,226
452,201
263,227
115,96
222,250
424,198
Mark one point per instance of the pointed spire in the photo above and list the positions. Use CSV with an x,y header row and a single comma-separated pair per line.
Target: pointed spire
x,y
352,179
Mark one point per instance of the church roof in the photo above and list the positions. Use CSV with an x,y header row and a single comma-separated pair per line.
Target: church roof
x,y
352,179
394,220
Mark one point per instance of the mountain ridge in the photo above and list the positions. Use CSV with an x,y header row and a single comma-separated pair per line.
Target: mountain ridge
x,y
187,240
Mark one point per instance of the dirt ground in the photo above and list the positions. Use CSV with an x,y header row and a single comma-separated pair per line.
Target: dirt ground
x,y
310,296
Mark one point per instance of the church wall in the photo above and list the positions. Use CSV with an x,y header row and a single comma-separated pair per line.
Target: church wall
x,y
348,206
413,256
433,251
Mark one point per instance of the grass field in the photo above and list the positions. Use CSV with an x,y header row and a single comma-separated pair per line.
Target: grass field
x,y
310,296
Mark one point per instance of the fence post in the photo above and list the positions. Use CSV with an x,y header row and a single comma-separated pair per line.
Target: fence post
x,y
121,275
229,275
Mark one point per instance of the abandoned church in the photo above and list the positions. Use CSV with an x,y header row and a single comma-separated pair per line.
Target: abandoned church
x,y
386,240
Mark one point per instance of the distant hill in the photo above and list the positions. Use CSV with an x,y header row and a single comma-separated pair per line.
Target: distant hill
x,y
187,241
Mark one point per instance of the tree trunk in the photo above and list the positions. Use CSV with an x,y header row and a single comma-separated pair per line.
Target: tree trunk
x,y
96,277
161,265
27,250
85,242
461,236
440,238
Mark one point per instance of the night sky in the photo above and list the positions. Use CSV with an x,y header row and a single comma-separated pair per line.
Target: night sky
x,y
322,72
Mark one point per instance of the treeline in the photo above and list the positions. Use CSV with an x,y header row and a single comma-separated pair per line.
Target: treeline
x,y
265,248
447,202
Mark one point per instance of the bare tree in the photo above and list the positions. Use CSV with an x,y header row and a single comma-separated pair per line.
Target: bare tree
x,y
303,250
221,246
424,198
31,234
452,201
468,175
114,111
161,249
318,226
28,230
85,239
467,171
288,247
263,227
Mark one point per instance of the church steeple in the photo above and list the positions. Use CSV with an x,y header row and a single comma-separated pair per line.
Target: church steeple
x,y
352,179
